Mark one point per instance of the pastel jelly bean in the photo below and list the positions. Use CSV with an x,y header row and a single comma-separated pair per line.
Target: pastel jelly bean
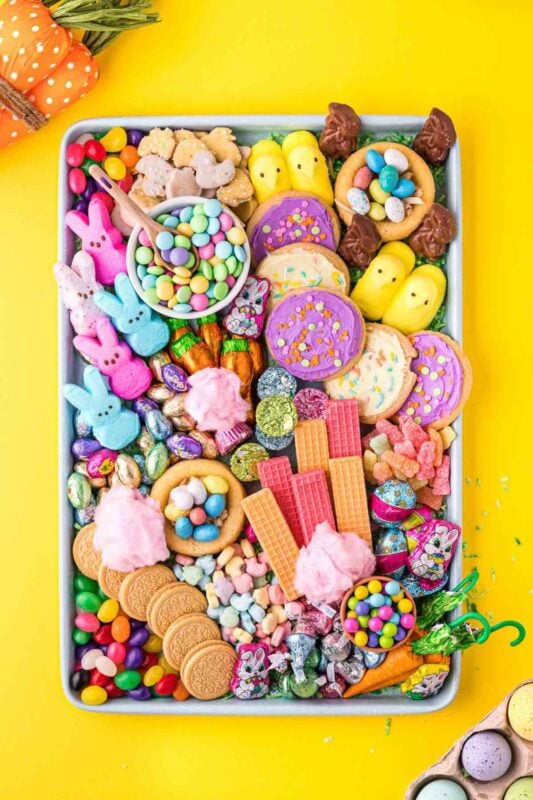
x,y
377,193
106,666
93,696
362,178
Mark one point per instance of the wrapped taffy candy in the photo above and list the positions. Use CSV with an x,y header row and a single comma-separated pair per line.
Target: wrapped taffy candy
x,y
43,68
235,355
210,332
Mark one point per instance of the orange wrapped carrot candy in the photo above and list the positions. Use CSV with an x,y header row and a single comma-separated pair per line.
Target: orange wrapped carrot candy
x,y
397,667
235,355
209,330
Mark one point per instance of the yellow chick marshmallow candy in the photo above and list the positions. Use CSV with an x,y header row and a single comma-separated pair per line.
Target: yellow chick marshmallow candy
x,y
268,170
374,292
307,166
417,300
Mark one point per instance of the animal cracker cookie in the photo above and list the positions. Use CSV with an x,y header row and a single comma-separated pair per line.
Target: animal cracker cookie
x,y
298,266
110,580
184,634
238,191
86,558
381,380
157,172
186,149
291,217
173,601
209,174
159,142
443,380
207,669
232,525
137,589
221,142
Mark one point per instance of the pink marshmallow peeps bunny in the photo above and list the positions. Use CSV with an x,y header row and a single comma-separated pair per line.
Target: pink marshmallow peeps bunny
x,y
129,377
100,239
78,285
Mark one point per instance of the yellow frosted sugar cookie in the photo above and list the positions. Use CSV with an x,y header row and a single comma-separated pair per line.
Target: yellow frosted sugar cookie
x,y
307,166
381,380
268,169
298,266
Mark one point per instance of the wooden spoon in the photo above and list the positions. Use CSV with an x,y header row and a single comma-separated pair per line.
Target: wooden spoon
x,y
134,212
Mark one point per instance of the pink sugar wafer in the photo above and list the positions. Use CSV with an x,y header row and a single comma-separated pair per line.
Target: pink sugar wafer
x,y
342,421
312,501
275,474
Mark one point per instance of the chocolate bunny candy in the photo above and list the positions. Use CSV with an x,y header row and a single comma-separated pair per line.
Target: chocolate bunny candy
x,y
129,377
145,332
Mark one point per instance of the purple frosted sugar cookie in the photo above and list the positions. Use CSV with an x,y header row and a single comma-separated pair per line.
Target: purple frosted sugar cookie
x,y
315,334
443,380
292,218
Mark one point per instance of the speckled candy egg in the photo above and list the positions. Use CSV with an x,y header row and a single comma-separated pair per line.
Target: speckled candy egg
x,y
520,712
522,789
442,789
486,756
358,201
390,549
392,502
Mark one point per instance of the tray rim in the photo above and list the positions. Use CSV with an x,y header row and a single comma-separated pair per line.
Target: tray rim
x,y
368,705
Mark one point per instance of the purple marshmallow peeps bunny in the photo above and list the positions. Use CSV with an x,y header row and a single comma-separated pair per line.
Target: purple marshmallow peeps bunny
x,y
100,239
129,377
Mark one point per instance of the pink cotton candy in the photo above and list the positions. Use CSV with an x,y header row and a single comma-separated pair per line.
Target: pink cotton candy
x,y
331,563
130,530
214,399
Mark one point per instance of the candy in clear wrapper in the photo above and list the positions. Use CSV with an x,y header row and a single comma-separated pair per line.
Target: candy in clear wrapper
x,y
300,645
310,403
276,380
390,549
227,441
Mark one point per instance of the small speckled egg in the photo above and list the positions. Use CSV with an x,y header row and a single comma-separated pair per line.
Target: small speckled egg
x,y
394,209
520,712
522,789
358,201
486,755
442,789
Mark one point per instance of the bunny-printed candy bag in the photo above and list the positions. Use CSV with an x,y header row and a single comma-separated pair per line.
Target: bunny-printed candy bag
x,y
431,549
78,286
129,377
145,332
113,426
100,239
246,314
426,681
250,676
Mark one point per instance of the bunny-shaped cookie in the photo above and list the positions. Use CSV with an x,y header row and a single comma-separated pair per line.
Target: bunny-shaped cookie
x,y
78,285
129,377
145,332
100,239
113,426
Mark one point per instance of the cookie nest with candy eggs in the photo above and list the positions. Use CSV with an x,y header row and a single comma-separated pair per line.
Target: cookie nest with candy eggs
x,y
388,183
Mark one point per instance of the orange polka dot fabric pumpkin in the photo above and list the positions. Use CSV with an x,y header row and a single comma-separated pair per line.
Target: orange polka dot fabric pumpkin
x,y
43,68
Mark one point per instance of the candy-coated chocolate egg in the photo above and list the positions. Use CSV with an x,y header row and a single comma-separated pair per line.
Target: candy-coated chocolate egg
x,y
486,755
442,789
522,789
520,711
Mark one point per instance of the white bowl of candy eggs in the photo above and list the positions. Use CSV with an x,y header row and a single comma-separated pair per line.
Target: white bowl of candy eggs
x,y
207,251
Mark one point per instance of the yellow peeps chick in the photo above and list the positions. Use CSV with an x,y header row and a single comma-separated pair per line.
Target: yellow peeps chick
x,y
307,166
374,292
418,300
268,170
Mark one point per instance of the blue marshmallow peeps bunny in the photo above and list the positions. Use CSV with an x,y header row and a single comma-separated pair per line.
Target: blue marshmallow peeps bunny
x,y
144,331
113,426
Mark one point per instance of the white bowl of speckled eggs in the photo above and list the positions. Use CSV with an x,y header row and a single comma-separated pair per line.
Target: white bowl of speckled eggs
x,y
209,253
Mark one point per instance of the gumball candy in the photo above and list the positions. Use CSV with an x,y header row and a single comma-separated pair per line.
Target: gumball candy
x,y
373,640
392,588
400,635
385,612
405,605
351,625
407,621
75,154
386,642
389,629
375,624
95,150
374,586
362,608
361,592
352,603
376,600
363,621
361,638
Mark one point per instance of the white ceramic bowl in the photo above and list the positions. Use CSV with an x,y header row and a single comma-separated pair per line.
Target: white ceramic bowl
x,y
166,207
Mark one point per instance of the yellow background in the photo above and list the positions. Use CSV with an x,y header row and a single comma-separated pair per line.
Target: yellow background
x,y
470,58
